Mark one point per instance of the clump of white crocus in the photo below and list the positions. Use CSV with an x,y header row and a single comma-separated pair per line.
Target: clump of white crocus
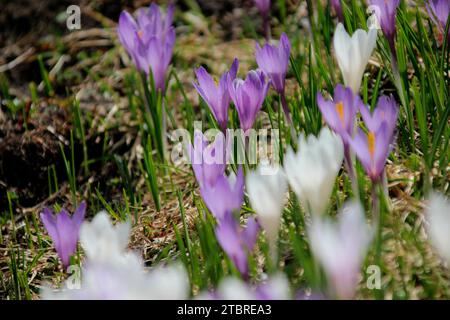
x,y
274,288
109,282
266,188
438,216
340,247
312,171
353,54
112,272
105,243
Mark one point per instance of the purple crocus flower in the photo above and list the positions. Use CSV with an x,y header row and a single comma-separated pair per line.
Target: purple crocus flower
x,y
236,241
439,12
225,196
152,20
337,6
340,113
149,41
386,11
263,6
274,62
64,230
208,160
248,96
373,148
386,111
216,97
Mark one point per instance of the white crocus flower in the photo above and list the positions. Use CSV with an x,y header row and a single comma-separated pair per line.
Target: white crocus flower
x,y
111,282
266,188
341,247
104,243
234,289
274,288
312,171
353,54
438,216
112,272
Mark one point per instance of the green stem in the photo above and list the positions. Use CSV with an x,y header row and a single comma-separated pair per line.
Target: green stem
x,y
378,218
351,170
151,108
287,114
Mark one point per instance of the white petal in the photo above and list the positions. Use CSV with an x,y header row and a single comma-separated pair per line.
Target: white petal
x,y
353,54
312,171
234,289
102,241
438,214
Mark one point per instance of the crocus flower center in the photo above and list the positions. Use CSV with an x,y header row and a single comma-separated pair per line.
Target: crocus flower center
x,y
371,143
340,111
140,34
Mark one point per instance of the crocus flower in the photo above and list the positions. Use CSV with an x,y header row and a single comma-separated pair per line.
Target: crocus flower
x,y
373,148
274,61
439,12
438,216
386,110
313,170
236,241
353,54
103,278
248,96
340,113
341,247
263,6
153,20
386,13
64,230
225,196
275,288
216,97
267,194
106,244
208,160
337,6
149,41
109,282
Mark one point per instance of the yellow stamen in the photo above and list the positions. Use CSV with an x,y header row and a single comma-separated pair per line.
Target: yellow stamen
x,y
140,34
371,143
340,111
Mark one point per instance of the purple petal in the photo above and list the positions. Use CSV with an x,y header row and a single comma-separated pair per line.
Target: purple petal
x,y
227,233
250,234
382,148
79,214
360,146
234,68
49,221
126,30
328,110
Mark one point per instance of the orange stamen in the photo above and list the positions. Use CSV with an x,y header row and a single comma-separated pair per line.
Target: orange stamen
x,y
140,34
371,143
340,111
